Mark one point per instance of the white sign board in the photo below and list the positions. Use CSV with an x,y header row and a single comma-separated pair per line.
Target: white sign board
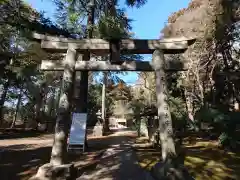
x,y
78,129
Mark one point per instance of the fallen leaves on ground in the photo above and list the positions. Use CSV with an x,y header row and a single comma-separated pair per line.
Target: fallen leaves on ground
x,y
204,159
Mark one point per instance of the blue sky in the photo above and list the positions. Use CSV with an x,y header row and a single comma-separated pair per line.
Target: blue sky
x,y
147,24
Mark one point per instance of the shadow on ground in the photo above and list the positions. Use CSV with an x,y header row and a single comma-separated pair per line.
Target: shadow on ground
x,y
19,133
22,161
120,164
116,167
18,163
209,162
204,159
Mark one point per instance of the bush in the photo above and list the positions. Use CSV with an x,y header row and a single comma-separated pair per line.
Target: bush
x,y
227,141
178,113
214,117
223,123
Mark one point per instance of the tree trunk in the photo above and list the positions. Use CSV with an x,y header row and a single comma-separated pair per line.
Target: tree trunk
x,y
50,111
51,105
104,95
189,104
39,105
190,110
152,129
59,92
17,108
81,101
63,123
83,91
104,118
3,98
165,121
139,125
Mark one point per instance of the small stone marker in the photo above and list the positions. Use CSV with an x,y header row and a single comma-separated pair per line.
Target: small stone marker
x,y
98,130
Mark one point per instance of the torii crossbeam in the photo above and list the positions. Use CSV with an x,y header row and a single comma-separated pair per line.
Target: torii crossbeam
x,y
101,47
127,46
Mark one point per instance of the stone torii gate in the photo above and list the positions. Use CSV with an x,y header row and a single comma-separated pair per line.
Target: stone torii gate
x,y
71,63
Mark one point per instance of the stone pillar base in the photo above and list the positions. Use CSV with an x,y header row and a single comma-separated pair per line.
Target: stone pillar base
x,y
169,171
60,172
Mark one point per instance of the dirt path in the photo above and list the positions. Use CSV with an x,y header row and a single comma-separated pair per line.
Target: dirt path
x,y
118,162
21,157
26,143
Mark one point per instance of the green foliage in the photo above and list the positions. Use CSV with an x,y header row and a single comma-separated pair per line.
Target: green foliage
x,y
223,123
114,27
179,115
211,115
20,56
216,116
223,138
210,85
94,103
27,111
137,3
177,108
227,141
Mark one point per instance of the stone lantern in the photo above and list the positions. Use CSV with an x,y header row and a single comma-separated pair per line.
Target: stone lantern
x,y
98,128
